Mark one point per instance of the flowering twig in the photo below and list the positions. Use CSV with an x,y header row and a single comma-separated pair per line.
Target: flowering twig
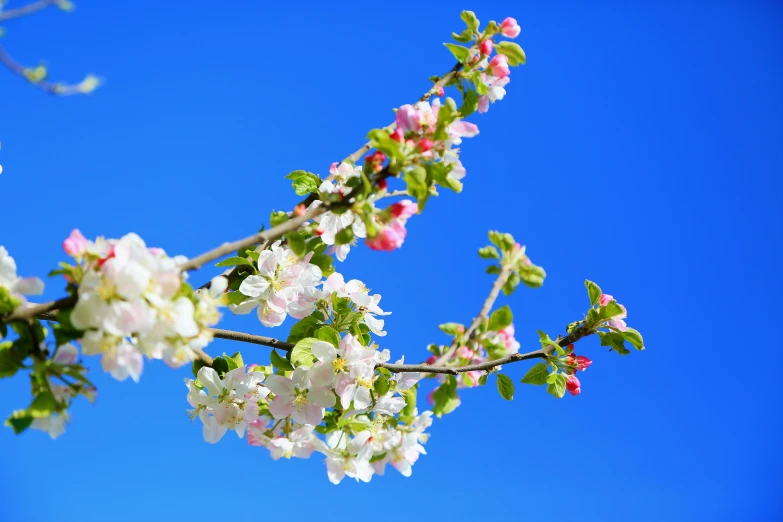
x,y
26,9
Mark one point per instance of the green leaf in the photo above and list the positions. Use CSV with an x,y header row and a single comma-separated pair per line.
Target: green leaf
x,y
593,291
489,252
235,261
452,328
231,362
410,402
236,358
302,354
615,341
515,54
464,37
493,269
558,387
19,421
296,242
483,379
381,385
220,365
416,179
511,283
633,337
536,375
277,218
470,101
469,17
43,405
532,275
613,309
8,303
328,334
296,174
10,359
302,329
478,83
500,318
545,339
460,53
305,185
196,366
344,236
505,386
323,262
445,397
281,363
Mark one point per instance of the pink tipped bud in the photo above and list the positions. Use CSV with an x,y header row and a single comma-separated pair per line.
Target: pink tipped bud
x,y
425,144
299,210
439,90
397,135
510,28
432,359
582,362
75,244
375,160
333,168
573,385
461,329
499,66
605,299
485,47
383,184
388,238
404,209
318,231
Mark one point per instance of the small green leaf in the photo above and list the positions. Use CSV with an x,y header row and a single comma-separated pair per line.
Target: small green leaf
x,y
381,385
302,354
633,337
220,365
505,386
296,242
460,53
196,366
410,402
452,328
329,335
470,101
493,269
593,291
277,218
483,379
558,387
613,309
514,53
536,375
615,341
344,236
19,421
500,318
234,261
43,405
503,241
445,397
489,252
296,174
279,362
469,17
464,37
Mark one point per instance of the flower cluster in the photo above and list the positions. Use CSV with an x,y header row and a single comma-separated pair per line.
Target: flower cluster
x,y
332,388
329,223
12,287
283,285
133,301
391,232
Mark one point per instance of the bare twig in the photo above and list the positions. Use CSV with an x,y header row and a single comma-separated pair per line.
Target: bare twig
x,y
59,89
25,9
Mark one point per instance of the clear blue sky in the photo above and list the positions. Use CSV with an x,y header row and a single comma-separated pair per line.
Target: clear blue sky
x,y
641,147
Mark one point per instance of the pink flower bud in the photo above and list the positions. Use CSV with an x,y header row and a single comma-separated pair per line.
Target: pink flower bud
x,y
299,210
485,47
573,385
375,160
439,90
432,359
397,135
388,238
461,329
425,144
605,299
66,354
75,244
499,66
404,209
582,362
333,168
510,28
383,184
465,352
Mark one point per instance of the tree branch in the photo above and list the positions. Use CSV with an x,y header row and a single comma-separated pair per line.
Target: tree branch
x,y
26,9
58,89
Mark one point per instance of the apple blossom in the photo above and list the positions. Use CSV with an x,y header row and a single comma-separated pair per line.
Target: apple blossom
x,y
573,385
510,28
499,66
15,285
298,398
485,47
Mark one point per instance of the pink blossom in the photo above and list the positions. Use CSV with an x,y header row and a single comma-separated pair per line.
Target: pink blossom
x,y
404,209
397,135
486,47
439,90
75,244
66,354
510,28
499,66
605,299
582,362
299,210
573,385
408,118
425,144
432,359
465,352
388,238
463,129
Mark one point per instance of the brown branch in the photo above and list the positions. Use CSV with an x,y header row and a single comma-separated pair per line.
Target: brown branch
x,y
252,339
25,9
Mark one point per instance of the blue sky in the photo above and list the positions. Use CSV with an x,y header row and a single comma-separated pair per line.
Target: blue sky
x,y
640,147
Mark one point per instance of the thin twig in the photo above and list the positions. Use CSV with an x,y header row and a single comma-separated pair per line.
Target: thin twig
x,y
25,9
59,89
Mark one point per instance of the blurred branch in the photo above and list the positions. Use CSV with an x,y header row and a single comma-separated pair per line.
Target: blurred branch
x,y
35,76
26,9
